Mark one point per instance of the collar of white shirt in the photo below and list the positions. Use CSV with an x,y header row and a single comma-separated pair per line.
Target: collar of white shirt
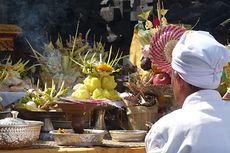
x,y
210,96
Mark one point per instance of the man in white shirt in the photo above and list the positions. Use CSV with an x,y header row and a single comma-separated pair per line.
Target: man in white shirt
x,y
202,124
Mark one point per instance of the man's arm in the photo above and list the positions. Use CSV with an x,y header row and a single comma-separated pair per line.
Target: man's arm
x,y
154,141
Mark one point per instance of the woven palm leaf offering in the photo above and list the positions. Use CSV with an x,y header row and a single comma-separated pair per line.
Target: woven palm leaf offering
x,y
152,83
154,87
42,100
157,38
41,104
138,93
156,55
13,76
55,60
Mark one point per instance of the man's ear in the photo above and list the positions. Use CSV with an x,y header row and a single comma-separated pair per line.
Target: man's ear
x,y
180,81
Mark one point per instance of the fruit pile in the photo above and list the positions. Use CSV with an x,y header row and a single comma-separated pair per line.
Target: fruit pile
x,y
96,88
100,82
152,74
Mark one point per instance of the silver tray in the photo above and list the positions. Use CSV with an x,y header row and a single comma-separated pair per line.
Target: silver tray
x,y
128,135
69,138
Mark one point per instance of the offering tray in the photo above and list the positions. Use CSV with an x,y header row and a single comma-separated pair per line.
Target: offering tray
x,y
40,114
89,137
128,135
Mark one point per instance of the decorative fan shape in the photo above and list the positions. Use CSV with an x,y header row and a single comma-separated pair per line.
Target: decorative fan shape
x,y
162,44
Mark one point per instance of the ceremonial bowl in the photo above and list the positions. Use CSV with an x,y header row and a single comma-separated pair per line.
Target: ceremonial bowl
x,y
128,135
17,136
89,137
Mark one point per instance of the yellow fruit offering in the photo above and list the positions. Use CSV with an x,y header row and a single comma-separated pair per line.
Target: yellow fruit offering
x,y
92,83
81,93
108,82
79,86
114,95
100,82
98,94
106,93
111,94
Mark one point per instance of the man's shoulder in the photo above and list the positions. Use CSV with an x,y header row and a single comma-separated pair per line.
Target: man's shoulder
x,y
169,119
173,115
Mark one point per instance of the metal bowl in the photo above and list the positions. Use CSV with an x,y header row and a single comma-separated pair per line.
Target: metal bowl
x,y
128,135
16,136
90,137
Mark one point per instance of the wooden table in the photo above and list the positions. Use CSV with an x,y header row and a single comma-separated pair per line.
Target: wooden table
x,y
79,150
108,146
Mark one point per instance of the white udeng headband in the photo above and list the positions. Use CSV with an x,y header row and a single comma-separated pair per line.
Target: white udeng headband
x,y
199,59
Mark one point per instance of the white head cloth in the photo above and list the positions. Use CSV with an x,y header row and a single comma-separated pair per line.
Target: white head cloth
x,y
199,59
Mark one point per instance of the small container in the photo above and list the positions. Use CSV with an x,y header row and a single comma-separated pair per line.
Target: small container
x,y
128,135
16,133
90,137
